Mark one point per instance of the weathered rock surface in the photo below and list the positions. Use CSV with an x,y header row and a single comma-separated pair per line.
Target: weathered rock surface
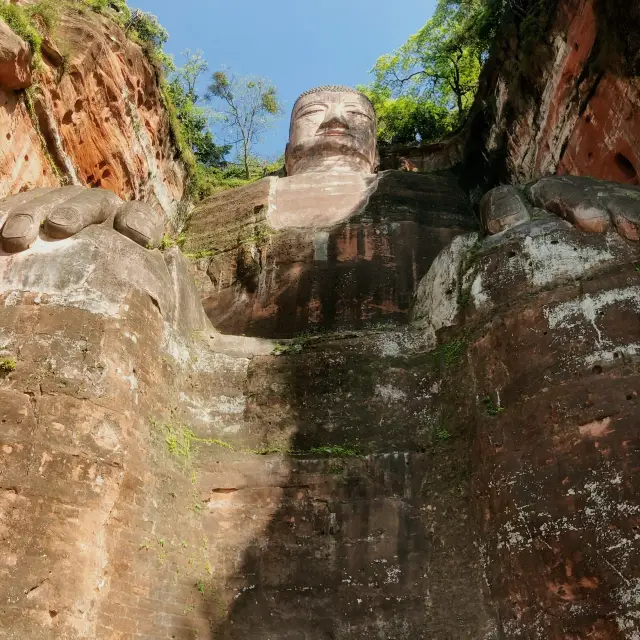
x,y
555,481
467,471
549,315
200,522
437,156
468,476
565,103
101,119
23,161
15,60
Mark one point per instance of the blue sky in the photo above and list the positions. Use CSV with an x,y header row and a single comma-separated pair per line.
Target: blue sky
x,y
296,44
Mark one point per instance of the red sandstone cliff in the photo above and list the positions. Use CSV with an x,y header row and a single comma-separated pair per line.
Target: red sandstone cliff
x,y
98,107
565,104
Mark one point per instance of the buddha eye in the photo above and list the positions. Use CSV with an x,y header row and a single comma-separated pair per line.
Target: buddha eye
x,y
358,113
311,112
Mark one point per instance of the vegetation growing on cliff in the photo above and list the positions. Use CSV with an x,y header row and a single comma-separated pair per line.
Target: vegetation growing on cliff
x,y
7,365
31,22
424,89
189,117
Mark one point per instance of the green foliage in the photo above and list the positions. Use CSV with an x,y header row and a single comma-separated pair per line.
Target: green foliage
x,y
441,62
283,348
532,17
424,89
464,289
638,268
147,29
441,435
116,10
336,469
407,118
27,22
269,100
178,440
335,451
167,241
491,408
189,119
45,14
209,171
449,353
7,365
194,123
198,255
206,181
190,128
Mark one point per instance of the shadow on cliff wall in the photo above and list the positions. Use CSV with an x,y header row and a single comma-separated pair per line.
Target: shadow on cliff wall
x,y
364,275
340,557
361,547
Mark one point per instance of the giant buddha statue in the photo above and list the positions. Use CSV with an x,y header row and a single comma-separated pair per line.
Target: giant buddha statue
x,y
330,159
289,254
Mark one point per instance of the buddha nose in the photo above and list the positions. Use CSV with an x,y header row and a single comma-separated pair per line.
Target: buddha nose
x,y
335,119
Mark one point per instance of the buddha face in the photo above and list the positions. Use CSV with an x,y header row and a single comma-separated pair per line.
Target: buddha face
x,y
331,130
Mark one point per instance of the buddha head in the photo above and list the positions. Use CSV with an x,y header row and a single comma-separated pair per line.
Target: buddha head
x,y
332,129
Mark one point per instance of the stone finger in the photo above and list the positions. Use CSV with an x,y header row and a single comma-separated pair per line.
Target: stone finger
x,y
92,206
12,202
625,212
23,223
503,208
139,222
570,202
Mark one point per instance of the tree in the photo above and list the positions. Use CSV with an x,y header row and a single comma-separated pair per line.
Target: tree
x,y
250,106
407,118
195,119
148,29
442,61
189,74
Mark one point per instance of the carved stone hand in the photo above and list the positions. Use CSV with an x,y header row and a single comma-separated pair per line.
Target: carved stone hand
x,y
590,205
64,212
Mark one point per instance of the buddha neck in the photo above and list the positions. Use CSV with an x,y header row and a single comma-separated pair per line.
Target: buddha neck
x,y
319,199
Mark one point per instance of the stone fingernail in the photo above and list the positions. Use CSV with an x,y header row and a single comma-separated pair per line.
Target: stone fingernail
x,y
18,226
141,225
65,218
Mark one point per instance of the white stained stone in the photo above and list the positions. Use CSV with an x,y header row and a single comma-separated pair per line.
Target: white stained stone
x,y
437,297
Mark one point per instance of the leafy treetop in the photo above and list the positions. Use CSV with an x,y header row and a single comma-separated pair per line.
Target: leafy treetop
x,y
249,106
424,89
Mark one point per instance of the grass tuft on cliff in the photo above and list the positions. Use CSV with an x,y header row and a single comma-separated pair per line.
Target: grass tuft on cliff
x,y
32,23
7,365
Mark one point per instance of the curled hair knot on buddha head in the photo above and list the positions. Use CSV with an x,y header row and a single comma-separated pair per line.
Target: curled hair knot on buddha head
x,y
334,88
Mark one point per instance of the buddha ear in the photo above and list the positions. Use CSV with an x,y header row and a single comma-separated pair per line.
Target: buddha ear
x,y
286,160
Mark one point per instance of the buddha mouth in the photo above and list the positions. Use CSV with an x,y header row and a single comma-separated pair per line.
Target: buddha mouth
x,y
334,132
